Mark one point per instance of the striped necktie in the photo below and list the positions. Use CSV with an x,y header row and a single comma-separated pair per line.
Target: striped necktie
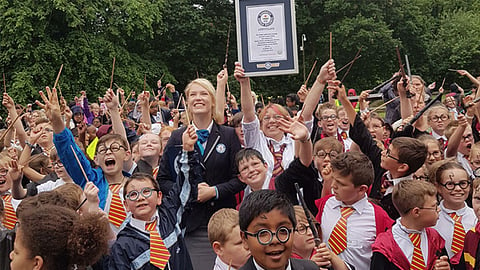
x,y
458,234
155,172
159,254
117,214
417,259
10,216
338,238
277,163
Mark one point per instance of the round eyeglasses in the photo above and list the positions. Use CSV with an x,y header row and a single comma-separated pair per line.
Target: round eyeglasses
x,y
265,236
323,154
114,147
134,195
463,184
302,228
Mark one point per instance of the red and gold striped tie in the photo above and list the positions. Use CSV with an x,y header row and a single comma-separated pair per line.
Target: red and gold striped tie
x,y
10,217
159,254
277,163
458,234
338,237
155,172
117,214
417,259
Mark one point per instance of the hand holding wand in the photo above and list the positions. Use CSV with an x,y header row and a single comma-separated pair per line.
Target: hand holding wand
x,y
316,238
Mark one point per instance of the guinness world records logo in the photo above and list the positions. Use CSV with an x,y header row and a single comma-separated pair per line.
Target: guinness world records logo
x,y
265,18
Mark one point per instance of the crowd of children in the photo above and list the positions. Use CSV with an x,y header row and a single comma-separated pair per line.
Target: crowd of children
x,y
201,182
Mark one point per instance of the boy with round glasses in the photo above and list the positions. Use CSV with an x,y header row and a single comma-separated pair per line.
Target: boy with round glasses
x,y
267,222
151,238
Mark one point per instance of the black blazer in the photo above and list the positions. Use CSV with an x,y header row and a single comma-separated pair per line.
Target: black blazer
x,y
297,264
219,169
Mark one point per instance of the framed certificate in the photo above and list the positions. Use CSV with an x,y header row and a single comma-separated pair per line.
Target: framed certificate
x,y
266,37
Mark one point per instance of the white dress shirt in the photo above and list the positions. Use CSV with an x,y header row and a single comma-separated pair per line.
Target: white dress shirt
x,y
445,224
361,230
402,238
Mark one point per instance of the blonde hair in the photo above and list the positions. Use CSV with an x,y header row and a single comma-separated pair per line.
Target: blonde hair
x,y
207,85
221,225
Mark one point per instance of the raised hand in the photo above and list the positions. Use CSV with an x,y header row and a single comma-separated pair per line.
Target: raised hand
x,y
294,127
51,104
15,171
189,138
327,72
222,77
111,100
8,101
239,73
302,93
338,87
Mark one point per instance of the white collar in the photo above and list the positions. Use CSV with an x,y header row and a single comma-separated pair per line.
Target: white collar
x,y
359,205
209,128
459,212
258,267
140,224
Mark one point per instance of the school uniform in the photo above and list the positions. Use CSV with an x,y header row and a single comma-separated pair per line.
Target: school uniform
x,y
471,250
218,170
363,226
293,264
131,250
256,139
445,227
64,142
309,180
10,208
394,249
220,265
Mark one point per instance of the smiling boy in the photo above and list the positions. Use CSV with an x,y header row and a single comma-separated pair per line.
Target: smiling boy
x,y
267,222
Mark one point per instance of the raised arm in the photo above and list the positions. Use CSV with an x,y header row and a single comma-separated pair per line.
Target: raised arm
x,y
300,134
10,105
248,107
111,100
327,72
469,76
405,105
342,97
222,78
456,138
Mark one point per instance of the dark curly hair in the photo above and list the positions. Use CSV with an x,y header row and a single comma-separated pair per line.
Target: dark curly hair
x,y
65,238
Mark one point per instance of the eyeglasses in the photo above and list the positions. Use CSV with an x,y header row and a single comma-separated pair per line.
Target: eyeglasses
x,y
327,117
57,163
323,154
430,208
437,118
134,195
435,154
463,184
387,153
302,228
265,236
276,117
467,137
3,172
81,204
114,147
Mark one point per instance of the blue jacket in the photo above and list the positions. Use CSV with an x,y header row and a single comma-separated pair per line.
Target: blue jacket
x,y
64,142
131,250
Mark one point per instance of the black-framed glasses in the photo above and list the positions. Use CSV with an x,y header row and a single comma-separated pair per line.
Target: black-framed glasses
x,y
331,116
57,163
437,118
450,185
265,236
302,228
3,172
323,154
114,147
146,192
435,154
387,153
467,137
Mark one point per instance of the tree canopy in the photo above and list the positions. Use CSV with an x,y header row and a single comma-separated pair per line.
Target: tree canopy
x,y
179,39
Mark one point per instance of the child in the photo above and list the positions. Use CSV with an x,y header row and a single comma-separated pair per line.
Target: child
x,y
455,216
405,245
327,114
352,174
66,240
155,223
304,244
267,226
472,239
224,235
112,156
438,118
460,141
